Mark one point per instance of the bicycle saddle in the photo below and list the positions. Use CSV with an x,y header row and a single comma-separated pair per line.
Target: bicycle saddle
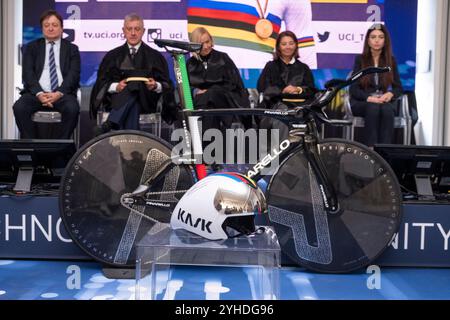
x,y
188,46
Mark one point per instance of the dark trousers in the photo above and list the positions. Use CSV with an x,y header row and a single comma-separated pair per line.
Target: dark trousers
x,y
127,116
272,126
213,99
28,104
378,119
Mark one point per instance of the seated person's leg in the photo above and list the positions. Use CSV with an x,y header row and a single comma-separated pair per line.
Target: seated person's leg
x,y
370,113
216,147
131,121
264,131
277,131
372,124
24,108
69,109
386,132
118,117
359,108
229,142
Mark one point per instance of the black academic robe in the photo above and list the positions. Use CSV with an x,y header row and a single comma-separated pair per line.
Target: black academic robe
x,y
117,65
225,89
277,75
219,75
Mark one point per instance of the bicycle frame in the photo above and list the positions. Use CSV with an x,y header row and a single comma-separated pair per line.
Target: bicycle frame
x,y
306,127
302,133
100,193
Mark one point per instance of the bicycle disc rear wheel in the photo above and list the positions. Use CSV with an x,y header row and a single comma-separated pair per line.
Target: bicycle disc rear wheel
x,y
370,208
96,178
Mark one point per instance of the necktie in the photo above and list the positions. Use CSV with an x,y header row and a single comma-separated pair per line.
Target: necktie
x,y
133,52
52,65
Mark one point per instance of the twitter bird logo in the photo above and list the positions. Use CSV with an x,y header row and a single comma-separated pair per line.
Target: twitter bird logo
x,y
323,37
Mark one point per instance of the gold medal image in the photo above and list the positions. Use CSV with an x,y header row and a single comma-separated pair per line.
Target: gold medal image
x,y
263,28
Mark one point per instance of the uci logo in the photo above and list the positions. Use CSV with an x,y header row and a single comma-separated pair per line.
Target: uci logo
x,y
186,218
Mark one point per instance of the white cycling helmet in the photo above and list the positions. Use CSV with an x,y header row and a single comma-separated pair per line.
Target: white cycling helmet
x,y
220,206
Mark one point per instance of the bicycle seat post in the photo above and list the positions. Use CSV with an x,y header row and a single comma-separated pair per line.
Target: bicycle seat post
x,y
190,123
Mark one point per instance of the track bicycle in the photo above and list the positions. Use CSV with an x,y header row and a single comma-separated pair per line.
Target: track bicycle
x,y
335,205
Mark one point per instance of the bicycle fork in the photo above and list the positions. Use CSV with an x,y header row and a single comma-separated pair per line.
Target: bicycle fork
x,y
326,188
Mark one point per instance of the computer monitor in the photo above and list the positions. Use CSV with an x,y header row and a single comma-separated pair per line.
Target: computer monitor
x,y
27,162
424,170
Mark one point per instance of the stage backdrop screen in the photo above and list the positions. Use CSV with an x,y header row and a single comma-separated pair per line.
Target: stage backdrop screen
x,y
330,32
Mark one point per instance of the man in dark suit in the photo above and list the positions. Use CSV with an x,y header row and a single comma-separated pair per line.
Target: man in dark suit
x,y
116,91
51,76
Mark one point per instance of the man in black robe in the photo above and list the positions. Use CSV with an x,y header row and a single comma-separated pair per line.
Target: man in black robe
x,y
115,89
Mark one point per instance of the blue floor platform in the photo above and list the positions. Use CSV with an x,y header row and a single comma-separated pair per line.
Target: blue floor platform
x,y
41,263
75,280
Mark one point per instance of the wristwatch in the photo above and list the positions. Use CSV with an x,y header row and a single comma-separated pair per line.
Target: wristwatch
x,y
300,90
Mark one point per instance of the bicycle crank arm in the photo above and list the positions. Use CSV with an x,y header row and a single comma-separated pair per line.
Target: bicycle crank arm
x,y
130,201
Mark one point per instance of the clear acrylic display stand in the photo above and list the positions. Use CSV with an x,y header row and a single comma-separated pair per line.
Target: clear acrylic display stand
x,y
157,252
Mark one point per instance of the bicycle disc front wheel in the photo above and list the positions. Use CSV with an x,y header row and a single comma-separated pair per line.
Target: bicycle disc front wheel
x,y
96,178
369,208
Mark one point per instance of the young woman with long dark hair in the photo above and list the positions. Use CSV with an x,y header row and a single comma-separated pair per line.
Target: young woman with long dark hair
x,y
374,98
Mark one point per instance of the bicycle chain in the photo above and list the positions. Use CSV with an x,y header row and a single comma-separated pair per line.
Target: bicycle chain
x,y
165,192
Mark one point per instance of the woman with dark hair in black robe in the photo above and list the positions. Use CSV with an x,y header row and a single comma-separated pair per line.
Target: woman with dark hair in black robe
x,y
285,77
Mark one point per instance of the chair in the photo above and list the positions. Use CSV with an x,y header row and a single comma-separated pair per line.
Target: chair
x,y
345,123
254,97
401,121
53,117
349,122
152,120
145,119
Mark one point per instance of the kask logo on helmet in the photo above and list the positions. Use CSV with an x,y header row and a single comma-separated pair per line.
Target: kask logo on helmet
x,y
199,223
